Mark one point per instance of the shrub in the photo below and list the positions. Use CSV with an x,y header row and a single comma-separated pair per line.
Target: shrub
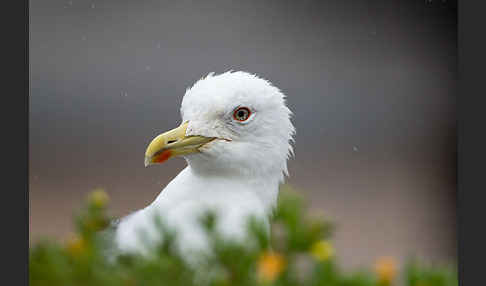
x,y
299,252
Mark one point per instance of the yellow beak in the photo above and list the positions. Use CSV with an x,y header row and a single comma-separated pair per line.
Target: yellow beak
x,y
173,143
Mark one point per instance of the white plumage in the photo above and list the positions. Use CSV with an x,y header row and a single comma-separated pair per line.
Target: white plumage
x,y
234,168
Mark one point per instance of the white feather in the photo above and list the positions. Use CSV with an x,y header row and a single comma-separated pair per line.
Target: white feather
x,y
235,178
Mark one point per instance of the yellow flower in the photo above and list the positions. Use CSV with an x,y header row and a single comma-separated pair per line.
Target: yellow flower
x,y
322,250
270,265
75,245
99,198
386,269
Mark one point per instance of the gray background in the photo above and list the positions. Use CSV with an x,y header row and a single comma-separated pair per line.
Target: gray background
x,y
372,85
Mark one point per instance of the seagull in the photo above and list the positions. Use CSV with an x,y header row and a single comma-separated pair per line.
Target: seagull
x,y
236,136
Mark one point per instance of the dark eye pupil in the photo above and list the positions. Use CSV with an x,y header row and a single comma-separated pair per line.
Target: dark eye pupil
x,y
241,114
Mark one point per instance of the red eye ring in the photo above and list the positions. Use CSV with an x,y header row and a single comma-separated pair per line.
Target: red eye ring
x,y
241,114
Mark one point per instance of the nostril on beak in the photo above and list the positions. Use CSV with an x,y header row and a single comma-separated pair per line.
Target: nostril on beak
x,y
171,141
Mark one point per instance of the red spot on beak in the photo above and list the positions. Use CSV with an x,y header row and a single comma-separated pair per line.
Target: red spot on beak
x,y
162,157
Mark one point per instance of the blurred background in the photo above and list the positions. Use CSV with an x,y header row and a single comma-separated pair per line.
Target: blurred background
x,y
372,85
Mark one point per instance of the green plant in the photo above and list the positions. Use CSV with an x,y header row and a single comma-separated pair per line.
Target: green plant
x,y
299,252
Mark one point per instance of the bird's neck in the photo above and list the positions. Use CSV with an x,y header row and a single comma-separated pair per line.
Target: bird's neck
x,y
222,188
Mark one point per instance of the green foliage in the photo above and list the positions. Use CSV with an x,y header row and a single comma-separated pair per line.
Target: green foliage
x,y
420,276
298,252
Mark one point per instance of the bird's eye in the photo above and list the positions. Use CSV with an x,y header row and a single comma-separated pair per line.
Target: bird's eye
x,y
241,114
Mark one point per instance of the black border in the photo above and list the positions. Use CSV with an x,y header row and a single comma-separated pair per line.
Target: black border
x,y
471,142
15,111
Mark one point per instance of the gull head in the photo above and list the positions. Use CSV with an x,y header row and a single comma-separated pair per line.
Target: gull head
x,y
233,123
